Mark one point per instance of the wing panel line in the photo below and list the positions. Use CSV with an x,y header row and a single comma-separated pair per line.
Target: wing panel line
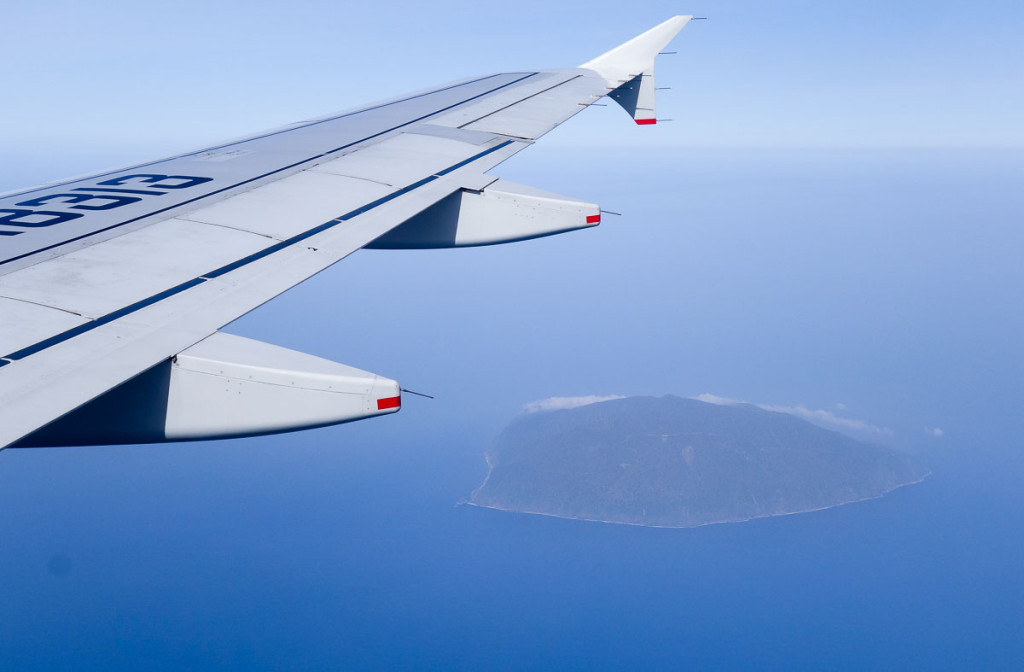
x,y
216,273
501,109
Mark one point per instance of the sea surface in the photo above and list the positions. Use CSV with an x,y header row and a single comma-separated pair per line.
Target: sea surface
x,y
879,286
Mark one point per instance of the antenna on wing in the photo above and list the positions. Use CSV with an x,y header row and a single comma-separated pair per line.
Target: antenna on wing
x,y
628,69
418,394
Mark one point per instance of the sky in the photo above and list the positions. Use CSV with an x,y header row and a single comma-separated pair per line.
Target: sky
x,y
829,226
113,81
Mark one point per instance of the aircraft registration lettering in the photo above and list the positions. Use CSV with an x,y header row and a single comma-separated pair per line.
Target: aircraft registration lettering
x,y
107,195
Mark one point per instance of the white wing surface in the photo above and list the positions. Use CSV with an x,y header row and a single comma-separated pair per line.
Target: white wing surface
x,y
113,287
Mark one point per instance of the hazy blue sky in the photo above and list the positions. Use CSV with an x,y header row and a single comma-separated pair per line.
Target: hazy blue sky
x,y
124,79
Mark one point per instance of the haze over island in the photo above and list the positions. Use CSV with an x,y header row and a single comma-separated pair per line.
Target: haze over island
x,y
675,462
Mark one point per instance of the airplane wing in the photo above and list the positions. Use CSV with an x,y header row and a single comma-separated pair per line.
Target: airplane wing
x,y
113,287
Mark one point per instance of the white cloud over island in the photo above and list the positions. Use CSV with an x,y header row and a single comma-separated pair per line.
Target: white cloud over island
x,y
821,417
560,403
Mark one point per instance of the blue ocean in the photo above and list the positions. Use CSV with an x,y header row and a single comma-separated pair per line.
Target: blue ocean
x,y
883,287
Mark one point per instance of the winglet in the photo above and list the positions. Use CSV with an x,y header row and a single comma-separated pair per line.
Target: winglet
x,y
629,68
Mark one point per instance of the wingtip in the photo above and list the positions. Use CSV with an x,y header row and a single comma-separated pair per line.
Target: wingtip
x,y
637,55
628,69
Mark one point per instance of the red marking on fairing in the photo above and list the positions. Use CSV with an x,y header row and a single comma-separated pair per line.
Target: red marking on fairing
x,y
593,219
642,122
390,402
